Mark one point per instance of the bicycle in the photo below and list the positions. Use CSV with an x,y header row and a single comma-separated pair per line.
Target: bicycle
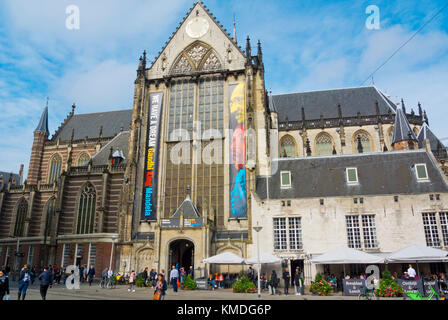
x,y
368,294
417,296
109,283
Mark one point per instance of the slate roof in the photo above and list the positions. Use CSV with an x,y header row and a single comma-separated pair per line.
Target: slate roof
x,y
88,124
426,133
402,128
5,177
325,102
120,142
188,209
43,123
379,173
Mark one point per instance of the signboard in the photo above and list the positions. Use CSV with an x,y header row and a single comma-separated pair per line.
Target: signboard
x,y
202,284
353,287
170,223
193,223
175,223
237,172
149,207
428,284
411,285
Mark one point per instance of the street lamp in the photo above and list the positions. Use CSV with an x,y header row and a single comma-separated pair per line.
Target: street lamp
x,y
257,230
112,251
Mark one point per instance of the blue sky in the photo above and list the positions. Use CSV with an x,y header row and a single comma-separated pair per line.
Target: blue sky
x,y
307,45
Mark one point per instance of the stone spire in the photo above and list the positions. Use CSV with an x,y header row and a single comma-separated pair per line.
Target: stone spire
x,y
260,53
234,30
403,134
248,51
43,123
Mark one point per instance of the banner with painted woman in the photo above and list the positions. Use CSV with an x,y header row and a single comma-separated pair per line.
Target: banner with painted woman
x,y
237,172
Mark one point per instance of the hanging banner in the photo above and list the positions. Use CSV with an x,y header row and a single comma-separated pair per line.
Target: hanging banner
x,y
149,208
238,193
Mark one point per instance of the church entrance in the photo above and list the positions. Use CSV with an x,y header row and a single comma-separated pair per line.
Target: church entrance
x,y
181,253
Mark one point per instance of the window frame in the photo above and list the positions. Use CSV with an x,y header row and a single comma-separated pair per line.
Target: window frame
x,y
347,175
417,174
282,185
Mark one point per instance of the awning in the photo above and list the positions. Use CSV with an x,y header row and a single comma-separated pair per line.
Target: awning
x,y
418,253
345,255
265,258
225,258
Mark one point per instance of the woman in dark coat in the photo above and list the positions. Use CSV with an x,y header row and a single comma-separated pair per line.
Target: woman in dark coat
x,y
4,285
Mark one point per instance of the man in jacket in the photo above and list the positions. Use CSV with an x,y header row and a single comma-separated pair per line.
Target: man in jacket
x,y
24,281
91,275
46,280
174,275
287,278
297,281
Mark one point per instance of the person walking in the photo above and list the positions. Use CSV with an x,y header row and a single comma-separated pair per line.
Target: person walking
x,y
191,272
174,275
46,280
24,282
287,278
4,286
153,278
145,277
160,288
273,281
297,282
132,282
91,275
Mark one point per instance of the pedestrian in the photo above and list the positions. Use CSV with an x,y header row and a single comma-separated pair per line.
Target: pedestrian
x,y
105,274
4,286
132,282
145,277
174,275
7,270
81,273
191,272
153,278
24,281
411,272
46,280
91,275
273,282
160,288
286,277
297,282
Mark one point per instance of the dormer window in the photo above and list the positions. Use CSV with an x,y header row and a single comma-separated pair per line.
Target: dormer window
x,y
117,157
352,175
421,172
285,179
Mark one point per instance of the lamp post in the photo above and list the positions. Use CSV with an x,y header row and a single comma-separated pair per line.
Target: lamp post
x,y
258,229
112,251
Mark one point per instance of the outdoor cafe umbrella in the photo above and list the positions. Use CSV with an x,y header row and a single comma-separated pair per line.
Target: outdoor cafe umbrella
x,y
344,255
227,258
265,258
417,253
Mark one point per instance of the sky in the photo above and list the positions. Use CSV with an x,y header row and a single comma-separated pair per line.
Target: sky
x,y
307,45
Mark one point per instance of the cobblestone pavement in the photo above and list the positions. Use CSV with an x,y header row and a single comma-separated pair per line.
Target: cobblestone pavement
x,y
60,292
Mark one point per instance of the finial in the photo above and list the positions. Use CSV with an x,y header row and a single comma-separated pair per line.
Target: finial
x,y
46,105
260,53
234,29
403,106
73,108
248,51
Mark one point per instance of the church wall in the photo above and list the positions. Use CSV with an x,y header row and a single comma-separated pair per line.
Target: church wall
x,y
7,216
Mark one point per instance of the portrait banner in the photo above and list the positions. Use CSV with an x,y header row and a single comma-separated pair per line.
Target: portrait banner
x,y
237,172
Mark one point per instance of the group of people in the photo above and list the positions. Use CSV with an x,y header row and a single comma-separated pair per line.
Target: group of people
x,y
273,281
27,275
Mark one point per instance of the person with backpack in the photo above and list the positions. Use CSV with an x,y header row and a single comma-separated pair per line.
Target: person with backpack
x,y
145,276
4,286
286,277
46,280
24,281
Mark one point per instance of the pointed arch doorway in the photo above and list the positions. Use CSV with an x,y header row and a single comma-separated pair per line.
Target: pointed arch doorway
x,y
182,253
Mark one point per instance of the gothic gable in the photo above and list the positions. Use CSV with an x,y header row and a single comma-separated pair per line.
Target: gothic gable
x,y
199,43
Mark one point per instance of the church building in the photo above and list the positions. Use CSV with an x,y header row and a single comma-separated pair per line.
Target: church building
x,y
205,154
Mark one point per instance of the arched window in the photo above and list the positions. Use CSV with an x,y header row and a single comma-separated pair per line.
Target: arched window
x,y
324,144
22,210
391,135
86,210
55,168
366,142
287,147
83,159
49,213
